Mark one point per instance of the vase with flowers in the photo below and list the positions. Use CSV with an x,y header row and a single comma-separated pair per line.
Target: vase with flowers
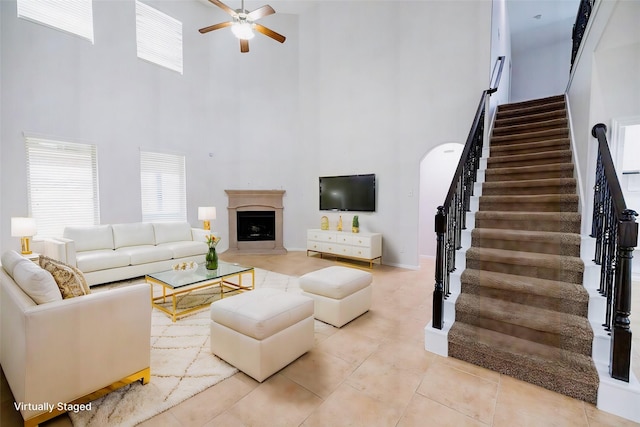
x,y
211,260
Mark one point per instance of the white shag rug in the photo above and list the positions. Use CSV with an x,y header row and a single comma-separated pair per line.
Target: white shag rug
x,y
182,364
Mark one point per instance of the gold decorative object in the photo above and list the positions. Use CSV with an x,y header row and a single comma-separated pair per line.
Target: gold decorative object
x,y
340,223
324,223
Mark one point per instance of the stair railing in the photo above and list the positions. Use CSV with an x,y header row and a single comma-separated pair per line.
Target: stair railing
x,y
616,232
579,27
451,216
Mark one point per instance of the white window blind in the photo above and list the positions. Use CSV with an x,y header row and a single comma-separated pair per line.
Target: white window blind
x,y
72,16
163,187
62,182
159,37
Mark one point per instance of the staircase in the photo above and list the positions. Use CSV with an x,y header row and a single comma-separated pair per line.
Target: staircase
x,y
522,310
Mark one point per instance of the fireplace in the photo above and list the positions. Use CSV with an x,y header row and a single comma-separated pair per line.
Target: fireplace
x,y
255,221
256,225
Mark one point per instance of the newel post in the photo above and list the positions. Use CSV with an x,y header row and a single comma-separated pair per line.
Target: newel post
x,y
438,292
620,358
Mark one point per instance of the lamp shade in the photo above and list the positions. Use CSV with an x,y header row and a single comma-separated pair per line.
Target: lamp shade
x,y
23,227
206,213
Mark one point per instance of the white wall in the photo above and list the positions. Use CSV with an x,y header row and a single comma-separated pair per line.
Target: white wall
x,y
541,69
357,87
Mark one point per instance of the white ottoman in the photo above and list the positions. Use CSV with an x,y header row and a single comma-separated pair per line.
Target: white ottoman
x,y
262,331
340,294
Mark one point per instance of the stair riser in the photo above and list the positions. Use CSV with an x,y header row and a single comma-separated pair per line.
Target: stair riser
x,y
523,112
567,342
561,275
515,149
528,191
577,308
523,370
531,225
491,176
532,118
516,161
526,246
526,137
534,126
525,206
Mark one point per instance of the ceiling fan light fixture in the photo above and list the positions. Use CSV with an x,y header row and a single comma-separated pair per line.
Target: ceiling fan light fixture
x,y
242,30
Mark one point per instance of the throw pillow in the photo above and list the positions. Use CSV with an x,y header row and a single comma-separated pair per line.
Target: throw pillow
x,y
70,280
36,282
10,259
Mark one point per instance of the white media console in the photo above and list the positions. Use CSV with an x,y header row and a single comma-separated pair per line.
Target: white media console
x,y
345,244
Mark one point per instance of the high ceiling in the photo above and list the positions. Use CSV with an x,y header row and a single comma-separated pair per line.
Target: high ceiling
x,y
538,22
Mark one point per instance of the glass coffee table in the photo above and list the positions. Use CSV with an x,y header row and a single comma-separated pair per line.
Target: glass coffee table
x,y
230,278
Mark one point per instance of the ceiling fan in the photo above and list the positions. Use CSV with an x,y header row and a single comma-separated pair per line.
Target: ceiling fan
x,y
243,24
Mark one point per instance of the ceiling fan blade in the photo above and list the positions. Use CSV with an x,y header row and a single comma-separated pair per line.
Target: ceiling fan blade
x,y
260,12
224,7
215,27
270,33
244,45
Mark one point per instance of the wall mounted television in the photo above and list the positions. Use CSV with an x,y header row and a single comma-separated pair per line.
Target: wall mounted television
x,y
348,193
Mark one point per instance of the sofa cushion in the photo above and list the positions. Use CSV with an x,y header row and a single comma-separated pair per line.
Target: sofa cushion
x,y
172,232
185,249
10,259
90,238
70,280
101,260
133,234
36,282
145,254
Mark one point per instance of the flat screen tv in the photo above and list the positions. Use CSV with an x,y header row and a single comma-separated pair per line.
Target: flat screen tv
x,y
348,193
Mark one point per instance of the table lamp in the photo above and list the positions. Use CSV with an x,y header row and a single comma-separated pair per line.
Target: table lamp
x,y
206,214
25,228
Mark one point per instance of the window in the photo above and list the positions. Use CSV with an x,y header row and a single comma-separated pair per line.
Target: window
x,y
62,182
72,16
163,187
159,37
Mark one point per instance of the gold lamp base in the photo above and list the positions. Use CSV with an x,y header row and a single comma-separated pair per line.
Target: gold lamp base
x,y
206,224
26,246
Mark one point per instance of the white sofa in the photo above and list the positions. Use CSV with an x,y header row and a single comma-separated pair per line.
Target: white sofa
x,y
111,252
61,351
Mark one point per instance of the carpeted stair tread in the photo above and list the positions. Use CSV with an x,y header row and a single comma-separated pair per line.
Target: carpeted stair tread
x,y
530,203
553,99
527,241
555,369
549,327
571,298
539,117
525,259
529,126
540,135
517,173
529,187
567,222
530,147
529,159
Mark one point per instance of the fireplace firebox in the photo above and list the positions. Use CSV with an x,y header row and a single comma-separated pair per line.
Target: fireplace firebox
x,y
256,226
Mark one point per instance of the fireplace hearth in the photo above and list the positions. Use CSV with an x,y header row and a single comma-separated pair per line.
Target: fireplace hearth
x,y
256,221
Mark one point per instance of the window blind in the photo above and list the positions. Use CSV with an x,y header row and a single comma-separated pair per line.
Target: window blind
x,y
62,183
163,187
159,37
72,16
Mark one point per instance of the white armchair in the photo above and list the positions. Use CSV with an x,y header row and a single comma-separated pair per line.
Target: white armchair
x,y
72,350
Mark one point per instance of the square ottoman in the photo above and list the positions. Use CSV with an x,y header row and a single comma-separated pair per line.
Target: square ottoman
x,y
340,294
262,331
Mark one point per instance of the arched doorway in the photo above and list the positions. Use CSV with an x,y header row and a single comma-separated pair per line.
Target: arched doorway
x,y
436,172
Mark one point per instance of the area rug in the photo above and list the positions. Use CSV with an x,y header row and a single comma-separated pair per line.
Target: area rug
x,y
182,364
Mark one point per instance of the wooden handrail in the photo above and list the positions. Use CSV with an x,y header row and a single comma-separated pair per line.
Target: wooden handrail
x,y
450,218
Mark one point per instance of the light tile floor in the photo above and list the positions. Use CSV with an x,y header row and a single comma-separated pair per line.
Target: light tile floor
x,y
373,371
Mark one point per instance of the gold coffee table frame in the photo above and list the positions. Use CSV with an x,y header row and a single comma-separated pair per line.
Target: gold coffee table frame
x,y
175,283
